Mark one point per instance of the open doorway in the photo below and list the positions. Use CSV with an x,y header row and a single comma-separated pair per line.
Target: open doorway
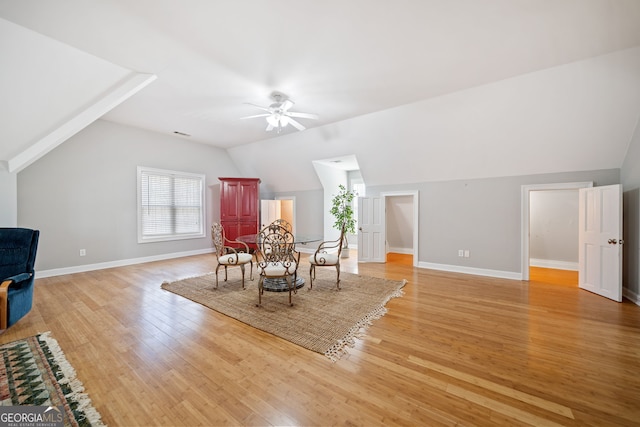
x,y
399,229
333,173
548,247
553,236
373,238
283,207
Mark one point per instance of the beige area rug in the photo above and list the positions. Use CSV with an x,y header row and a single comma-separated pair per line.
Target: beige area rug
x,y
322,319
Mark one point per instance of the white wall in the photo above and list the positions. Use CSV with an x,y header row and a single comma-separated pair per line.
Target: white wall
x,y
571,118
330,178
82,195
49,82
630,179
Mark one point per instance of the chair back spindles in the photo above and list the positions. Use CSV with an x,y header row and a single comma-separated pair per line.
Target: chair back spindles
x,y
277,257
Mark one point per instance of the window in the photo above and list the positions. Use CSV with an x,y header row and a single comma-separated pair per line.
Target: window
x,y
170,205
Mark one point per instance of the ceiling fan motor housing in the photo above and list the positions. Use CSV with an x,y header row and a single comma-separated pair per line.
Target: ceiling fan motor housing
x,y
278,115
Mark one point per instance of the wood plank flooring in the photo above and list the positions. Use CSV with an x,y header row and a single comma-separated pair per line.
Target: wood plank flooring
x,y
454,350
554,276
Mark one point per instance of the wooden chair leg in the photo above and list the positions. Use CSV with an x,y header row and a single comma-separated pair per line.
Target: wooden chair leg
x,y
4,302
338,277
242,269
312,271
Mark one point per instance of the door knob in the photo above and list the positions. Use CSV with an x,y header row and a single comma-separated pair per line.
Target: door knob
x,y
612,241
360,228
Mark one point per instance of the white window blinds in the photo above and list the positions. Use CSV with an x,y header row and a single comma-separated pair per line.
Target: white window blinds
x,y
170,205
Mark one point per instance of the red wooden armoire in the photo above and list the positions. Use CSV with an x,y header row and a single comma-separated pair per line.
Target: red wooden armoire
x,y
239,206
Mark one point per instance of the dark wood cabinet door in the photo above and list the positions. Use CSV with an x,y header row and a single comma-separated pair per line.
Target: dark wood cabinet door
x,y
239,206
248,201
230,192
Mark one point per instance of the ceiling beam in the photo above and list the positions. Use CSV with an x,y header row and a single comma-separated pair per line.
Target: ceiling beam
x,y
127,88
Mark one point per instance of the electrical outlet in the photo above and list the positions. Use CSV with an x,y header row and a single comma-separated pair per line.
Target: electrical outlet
x,y
83,252
460,252
466,253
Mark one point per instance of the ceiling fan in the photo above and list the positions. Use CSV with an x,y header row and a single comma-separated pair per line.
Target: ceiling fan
x,y
278,115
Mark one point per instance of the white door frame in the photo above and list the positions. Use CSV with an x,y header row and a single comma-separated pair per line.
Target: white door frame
x,y
524,214
416,216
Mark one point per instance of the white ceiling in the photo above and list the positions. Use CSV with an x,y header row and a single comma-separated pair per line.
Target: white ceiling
x,y
338,59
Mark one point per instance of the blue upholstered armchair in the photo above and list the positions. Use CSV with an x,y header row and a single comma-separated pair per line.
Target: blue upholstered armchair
x,y
17,257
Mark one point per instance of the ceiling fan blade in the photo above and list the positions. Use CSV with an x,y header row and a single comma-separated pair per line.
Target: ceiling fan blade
x,y
254,116
286,104
296,124
303,115
259,106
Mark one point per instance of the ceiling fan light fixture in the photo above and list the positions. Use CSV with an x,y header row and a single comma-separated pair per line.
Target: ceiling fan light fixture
x,y
278,115
273,120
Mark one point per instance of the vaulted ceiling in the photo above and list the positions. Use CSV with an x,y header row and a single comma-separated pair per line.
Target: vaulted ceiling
x,y
434,89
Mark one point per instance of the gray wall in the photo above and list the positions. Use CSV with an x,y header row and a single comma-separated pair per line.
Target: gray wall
x,y
480,215
8,198
630,179
309,211
82,195
553,230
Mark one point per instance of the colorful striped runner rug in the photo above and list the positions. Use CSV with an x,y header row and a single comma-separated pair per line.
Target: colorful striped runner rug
x,y
40,385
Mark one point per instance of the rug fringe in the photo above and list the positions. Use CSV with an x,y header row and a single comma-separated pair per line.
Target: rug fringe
x,y
77,388
167,282
341,347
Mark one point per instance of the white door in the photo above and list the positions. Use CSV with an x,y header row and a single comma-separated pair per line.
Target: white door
x,y
371,232
600,240
269,212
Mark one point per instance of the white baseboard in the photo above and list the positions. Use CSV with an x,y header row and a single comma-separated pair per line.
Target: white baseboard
x,y
405,251
118,263
631,296
550,263
472,270
626,293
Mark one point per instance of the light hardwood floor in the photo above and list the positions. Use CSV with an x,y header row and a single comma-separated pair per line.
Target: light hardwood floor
x,y
454,350
554,276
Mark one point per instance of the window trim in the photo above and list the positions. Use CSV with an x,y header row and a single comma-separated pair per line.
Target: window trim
x,y
172,237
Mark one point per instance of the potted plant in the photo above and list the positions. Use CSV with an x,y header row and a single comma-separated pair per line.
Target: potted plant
x,y
342,210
